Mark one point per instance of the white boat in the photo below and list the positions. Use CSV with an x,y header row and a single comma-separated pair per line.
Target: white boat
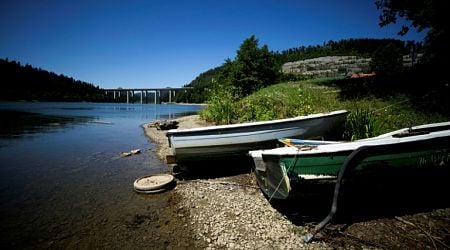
x,y
424,147
225,141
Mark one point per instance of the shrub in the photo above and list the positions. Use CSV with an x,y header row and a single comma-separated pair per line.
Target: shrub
x,y
221,104
275,102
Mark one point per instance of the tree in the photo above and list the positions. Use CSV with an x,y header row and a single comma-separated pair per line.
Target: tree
x,y
431,15
423,14
252,69
24,82
200,85
387,61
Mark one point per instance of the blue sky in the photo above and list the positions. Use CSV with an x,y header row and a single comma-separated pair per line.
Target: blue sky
x,y
164,43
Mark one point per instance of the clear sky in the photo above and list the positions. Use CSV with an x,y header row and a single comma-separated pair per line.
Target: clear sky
x,y
167,43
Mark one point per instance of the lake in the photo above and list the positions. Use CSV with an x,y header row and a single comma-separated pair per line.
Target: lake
x,y
63,183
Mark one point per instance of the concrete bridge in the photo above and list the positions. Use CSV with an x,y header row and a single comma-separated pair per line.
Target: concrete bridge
x,y
144,94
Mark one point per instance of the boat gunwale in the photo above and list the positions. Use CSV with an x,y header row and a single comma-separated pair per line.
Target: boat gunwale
x,y
256,124
351,146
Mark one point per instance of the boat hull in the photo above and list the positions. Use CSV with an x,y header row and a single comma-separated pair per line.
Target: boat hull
x,y
221,142
276,172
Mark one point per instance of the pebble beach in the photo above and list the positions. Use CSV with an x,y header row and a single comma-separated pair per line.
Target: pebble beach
x,y
232,213
228,212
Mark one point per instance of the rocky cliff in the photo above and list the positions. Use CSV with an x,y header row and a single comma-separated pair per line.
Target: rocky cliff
x,y
329,66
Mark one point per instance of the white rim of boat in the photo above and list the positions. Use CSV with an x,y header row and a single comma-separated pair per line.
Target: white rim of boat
x,y
249,124
152,182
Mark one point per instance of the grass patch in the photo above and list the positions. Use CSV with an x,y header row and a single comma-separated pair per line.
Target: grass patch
x,y
275,102
314,96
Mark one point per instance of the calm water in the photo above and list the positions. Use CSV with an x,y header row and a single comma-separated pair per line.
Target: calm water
x,y
62,182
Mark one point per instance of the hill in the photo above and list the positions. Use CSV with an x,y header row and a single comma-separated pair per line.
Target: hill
x,y
200,85
361,48
24,82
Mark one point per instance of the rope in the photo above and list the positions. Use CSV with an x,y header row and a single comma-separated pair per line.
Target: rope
x,y
406,100
388,106
282,178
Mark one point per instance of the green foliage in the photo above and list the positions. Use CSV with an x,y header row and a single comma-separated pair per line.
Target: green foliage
x,y
275,102
423,14
430,15
289,77
200,85
252,69
251,74
321,95
364,47
221,104
387,61
361,124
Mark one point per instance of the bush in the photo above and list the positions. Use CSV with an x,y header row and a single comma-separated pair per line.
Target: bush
x,y
221,104
275,102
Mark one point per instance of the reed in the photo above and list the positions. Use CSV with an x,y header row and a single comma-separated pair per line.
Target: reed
x,y
360,124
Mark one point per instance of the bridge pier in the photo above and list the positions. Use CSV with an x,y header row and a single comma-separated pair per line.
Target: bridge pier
x,y
160,94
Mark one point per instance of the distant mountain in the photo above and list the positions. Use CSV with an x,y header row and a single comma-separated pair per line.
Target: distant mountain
x,y
24,82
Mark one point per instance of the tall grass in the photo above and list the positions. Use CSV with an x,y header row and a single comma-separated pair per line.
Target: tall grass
x,y
360,124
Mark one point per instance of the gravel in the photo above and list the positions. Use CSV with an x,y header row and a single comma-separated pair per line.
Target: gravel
x,y
229,212
226,214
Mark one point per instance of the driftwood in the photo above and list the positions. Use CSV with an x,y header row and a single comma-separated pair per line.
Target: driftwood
x,y
164,125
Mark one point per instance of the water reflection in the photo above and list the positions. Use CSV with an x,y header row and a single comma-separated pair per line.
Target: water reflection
x,y
15,123
62,184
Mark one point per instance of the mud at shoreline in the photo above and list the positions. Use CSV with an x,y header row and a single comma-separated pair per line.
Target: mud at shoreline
x,y
232,213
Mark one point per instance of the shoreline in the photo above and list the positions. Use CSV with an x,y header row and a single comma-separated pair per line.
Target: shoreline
x,y
232,213
159,136
227,212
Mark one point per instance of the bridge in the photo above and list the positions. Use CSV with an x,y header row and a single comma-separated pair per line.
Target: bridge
x,y
155,95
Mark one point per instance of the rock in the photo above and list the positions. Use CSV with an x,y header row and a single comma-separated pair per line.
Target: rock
x,y
166,125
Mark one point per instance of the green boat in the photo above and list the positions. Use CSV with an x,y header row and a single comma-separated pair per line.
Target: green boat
x,y
426,147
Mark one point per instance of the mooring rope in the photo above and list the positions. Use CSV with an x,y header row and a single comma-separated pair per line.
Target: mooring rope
x,y
282,178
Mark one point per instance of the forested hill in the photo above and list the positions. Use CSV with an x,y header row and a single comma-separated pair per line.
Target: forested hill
x,y
200,84
24,82
364,47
